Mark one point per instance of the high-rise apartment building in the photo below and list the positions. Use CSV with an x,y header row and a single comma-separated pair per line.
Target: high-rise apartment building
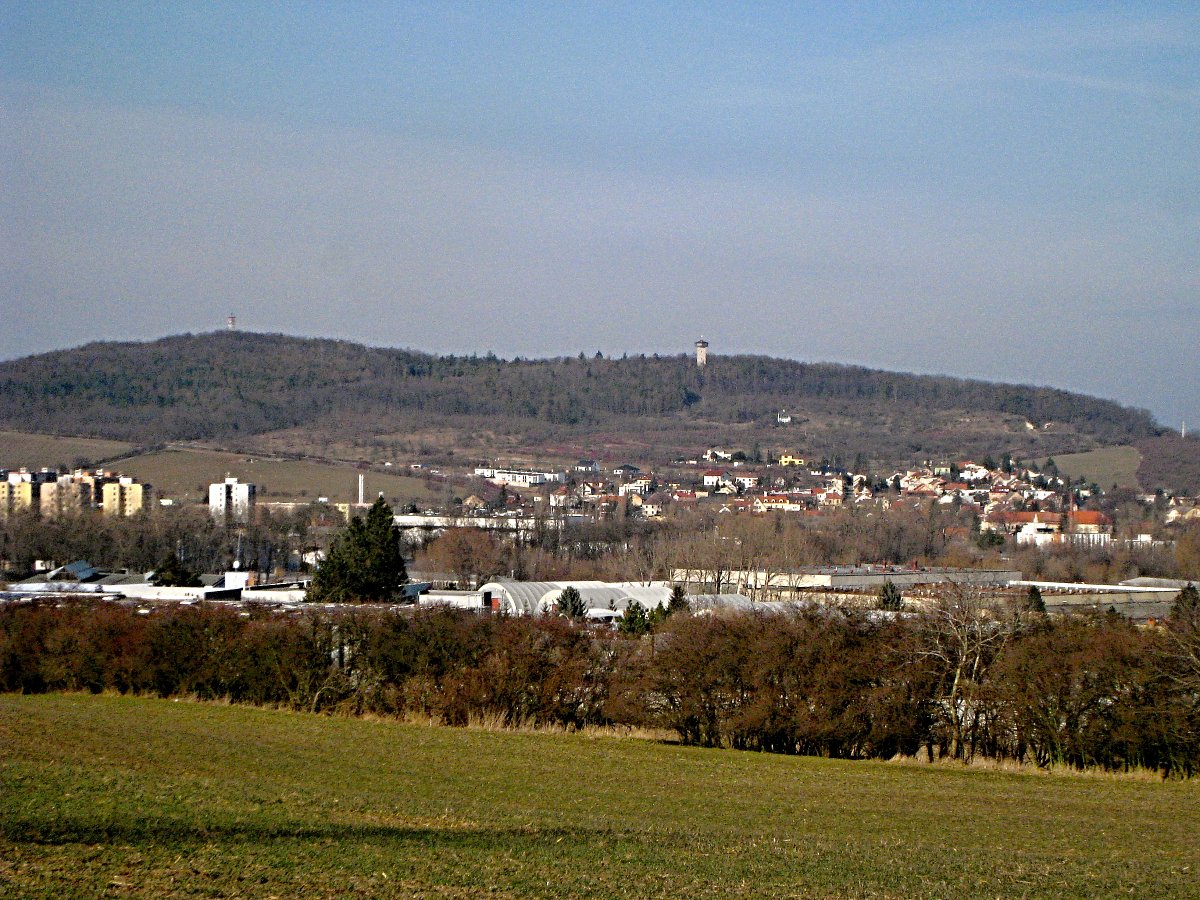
x,y
231,500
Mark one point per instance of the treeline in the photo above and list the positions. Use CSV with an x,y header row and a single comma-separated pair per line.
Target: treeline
x,y
140,542
225,384
958,681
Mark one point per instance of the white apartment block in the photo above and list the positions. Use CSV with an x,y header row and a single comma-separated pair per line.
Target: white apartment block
x,y
231,500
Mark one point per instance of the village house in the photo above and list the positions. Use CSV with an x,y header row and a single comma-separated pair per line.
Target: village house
x,y
591,488
637,487
779,503
1090,527
973,473
522,477
1037,528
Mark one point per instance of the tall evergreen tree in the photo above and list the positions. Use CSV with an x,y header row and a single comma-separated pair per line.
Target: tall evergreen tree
x,y
890,597
635,622
1186,608
679,601
571,605
365,561
171,572
1033,600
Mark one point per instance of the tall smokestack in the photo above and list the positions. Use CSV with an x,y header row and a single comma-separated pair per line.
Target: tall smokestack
x,y
361,478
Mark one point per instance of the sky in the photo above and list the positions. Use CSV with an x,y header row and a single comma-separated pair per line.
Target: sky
x,y
1008,191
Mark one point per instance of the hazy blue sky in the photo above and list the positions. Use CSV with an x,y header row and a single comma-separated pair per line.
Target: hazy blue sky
x,y
1001,191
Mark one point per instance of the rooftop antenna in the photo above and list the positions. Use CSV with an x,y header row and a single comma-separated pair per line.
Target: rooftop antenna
x,y
231,322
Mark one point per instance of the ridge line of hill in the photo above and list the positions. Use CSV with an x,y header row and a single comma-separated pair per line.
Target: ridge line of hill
x,y
227,386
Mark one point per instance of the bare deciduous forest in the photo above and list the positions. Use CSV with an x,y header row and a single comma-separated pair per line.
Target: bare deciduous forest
x,y
234,388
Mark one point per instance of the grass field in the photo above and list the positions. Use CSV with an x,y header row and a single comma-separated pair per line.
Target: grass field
x,y
1106,466
36,451
185,474
119,796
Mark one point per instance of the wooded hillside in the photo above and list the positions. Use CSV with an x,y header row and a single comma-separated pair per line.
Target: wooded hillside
x,y
226,385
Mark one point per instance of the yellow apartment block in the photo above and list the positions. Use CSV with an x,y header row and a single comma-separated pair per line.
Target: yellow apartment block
x,y
122,498
65,496
16,495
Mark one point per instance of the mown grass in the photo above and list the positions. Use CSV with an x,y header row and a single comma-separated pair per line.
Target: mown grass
x,y
114,796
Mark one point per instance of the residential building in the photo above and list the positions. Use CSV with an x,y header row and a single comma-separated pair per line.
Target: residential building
x,y
17,494
523,477
1090,527
67,494
231,500
122,497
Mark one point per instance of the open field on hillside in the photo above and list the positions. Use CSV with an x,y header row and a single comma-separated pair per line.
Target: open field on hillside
x,y
1105,467
186,473
35,451
108,795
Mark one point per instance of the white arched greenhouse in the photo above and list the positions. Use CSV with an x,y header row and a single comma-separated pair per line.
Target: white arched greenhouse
x,y
603,599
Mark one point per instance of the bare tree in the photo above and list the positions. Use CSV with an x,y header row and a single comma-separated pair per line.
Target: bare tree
x,y
960,635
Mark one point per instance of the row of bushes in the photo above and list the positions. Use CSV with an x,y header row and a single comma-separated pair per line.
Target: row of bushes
x,y
957,681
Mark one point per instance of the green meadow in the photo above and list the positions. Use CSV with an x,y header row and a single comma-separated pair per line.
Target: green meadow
x,y
1106,467
184,474
116,796
33,451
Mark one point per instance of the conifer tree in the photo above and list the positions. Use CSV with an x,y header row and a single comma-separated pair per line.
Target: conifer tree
x,y
678,602
570,604
890,597
365,561
635,621
171,572
1186,608
1033,600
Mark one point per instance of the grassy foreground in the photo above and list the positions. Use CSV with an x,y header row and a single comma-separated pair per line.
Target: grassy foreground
x,y
115,796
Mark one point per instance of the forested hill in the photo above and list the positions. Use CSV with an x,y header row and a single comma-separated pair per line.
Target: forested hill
x,y
225,384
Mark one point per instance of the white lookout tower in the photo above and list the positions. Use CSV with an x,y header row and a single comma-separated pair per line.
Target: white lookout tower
x,y
231,322
701,352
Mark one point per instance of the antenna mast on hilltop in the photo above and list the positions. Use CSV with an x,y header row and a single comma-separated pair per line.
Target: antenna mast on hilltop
x,y
231,322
